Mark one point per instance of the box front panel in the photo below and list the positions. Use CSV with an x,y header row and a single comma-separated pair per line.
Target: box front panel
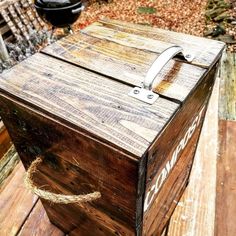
x,y
170,158
75,164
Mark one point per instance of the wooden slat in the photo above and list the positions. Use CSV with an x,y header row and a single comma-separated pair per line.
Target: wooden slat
x,y
226,180
38,224
227,104
195,213
75,95
8,163
4,29
205,50
126,62
15,203
74,156
5,141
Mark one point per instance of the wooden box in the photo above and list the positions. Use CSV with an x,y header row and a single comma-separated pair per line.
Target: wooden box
x,y
77,106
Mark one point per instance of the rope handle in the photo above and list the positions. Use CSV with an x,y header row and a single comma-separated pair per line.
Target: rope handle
x,y
54,197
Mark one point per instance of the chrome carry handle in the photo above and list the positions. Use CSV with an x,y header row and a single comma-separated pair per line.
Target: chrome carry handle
x,y
145,93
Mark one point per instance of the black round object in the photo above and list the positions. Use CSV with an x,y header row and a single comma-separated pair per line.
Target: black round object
x,y
59,13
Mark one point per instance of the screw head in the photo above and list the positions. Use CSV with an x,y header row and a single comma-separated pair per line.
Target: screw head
x,y
188,56
136,91
150,96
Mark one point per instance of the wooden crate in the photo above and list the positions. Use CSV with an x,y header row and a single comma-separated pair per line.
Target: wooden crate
x,y
71,105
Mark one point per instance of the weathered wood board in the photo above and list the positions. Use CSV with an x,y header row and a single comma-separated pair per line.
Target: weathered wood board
x,y
22,201
70,104
226,179
5,141
195,212
38,224
227,104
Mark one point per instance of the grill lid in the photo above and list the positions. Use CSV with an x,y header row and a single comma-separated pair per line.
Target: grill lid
x,y
55,3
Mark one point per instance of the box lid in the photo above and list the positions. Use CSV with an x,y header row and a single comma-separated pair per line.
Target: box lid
x,y
84,81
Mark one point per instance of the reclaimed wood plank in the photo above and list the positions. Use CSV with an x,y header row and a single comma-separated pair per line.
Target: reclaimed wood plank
x,y
74,156
15,203
174,147
74,95
126,63
195,212
38,224
8,163
206,51
226,179
227,103
5,141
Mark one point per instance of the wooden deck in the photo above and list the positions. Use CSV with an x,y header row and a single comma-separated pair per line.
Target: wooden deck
x,y
208,206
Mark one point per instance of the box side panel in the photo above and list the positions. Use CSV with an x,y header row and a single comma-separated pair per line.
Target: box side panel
x,y
75,164
170,158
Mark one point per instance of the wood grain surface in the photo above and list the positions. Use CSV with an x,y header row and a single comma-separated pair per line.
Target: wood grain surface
x,y
195,212
76,96
126,62
8,163
226,180
5,141
227,101
15,204
206,51
70,105
168,142
74,156
38,224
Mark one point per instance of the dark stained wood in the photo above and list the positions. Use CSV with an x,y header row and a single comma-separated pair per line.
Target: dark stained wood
x,y
226,179
169,195
5,141
115,175
15,203
126,62
94,137
206,51
163,151
38,224
74,95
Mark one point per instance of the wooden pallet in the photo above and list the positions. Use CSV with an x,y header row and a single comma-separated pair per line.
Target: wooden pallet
x,y
20,17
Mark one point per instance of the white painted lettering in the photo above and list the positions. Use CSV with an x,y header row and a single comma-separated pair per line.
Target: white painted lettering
x,y
170,163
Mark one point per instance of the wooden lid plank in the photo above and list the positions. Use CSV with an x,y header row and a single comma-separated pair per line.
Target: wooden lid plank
x,y
94,104
206,51
126,64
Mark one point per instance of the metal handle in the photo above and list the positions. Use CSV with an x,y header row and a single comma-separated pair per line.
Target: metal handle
x,y
161,61
145,93
74,11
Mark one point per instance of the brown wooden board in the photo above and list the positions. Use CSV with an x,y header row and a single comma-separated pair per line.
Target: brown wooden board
x,y
126,63
226,179
74,95
206,51
195,212
38,224
115,175
5,141
15,203
70,104
169,147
